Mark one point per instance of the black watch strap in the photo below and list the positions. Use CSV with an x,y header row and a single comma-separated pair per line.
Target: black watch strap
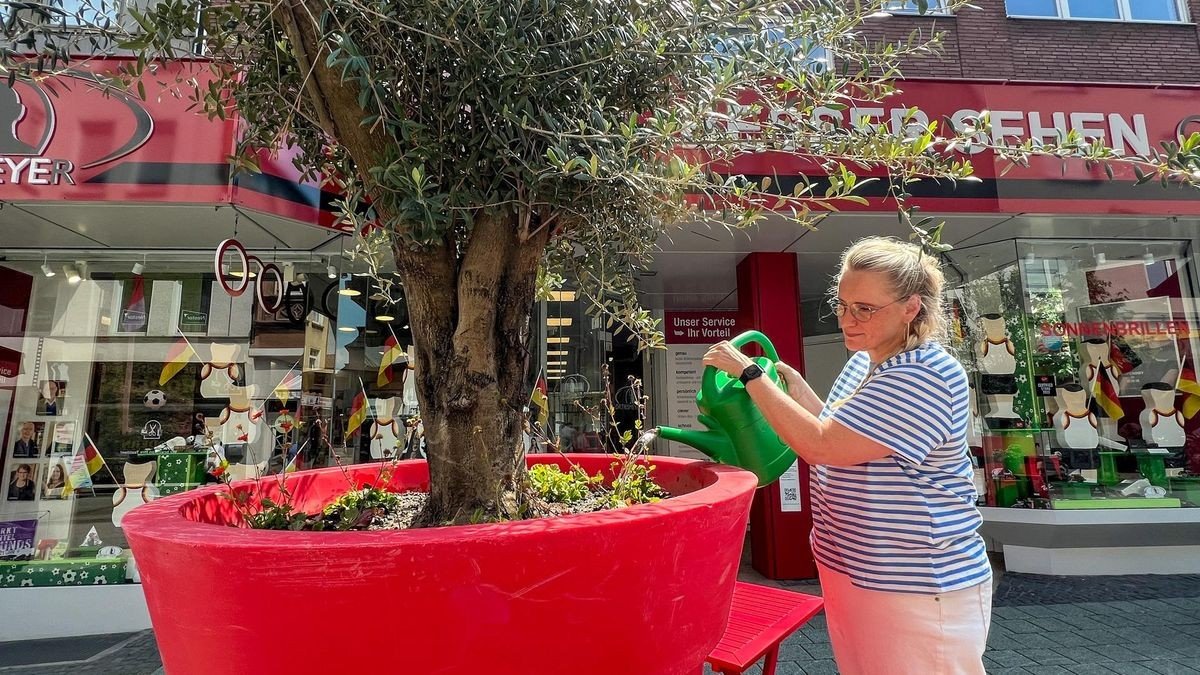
x,y
752,372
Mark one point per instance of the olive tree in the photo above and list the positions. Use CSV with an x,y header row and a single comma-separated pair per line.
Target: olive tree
x,y
492,146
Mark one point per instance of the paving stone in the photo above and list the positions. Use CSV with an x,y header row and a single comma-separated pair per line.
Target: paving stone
x,y
1169,667
1136,668
1010,613
819,652
822,667
1046,657
1091,669
1117,652
1008,658
1083,655
1050,623
1018,626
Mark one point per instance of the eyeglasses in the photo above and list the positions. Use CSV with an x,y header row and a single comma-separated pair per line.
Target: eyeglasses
x,y
860,311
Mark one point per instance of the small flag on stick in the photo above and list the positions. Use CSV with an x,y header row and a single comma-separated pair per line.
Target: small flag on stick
x,y
84,464
177,359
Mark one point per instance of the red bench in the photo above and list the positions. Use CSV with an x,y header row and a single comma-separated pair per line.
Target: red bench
x,y
760,619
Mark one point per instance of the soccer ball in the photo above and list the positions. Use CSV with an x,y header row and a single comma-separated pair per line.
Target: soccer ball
x,y
155,399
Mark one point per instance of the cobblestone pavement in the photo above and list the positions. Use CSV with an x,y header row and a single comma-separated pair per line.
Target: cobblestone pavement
x,y
1141,625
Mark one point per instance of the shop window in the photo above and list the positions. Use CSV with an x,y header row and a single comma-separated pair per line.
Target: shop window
x,y
1100,10
1082,357
153,372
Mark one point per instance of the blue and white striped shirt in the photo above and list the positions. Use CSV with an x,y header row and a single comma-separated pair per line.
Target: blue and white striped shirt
x,y
906,522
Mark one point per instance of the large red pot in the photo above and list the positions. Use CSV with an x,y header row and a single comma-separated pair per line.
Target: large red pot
x,y
643,590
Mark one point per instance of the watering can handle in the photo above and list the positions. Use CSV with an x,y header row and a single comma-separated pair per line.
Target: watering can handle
x,y
708,384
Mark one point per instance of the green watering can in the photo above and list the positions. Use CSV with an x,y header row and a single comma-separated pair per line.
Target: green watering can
x,y
738,434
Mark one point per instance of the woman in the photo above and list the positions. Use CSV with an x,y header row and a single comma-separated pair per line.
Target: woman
x,y
56,481
21,486
904,572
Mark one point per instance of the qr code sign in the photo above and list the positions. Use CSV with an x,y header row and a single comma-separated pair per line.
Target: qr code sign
x,y
791,494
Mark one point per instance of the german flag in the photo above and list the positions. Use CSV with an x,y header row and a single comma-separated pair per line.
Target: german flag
x,y
84,464
1190,387
1119,360
391,353
358,413
177,359
1104,391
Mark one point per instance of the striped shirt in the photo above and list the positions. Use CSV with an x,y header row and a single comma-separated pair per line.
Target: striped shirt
x,y
906,522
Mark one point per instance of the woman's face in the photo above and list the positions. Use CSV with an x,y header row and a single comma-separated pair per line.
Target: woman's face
x,y
57,474
26,432
885,330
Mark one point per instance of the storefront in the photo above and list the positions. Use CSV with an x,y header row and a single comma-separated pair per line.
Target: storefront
x,y
164,323
1057,275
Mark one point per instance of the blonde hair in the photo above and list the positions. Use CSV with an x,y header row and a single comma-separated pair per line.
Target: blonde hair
x,y
909,271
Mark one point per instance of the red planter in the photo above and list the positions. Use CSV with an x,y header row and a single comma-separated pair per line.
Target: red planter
x,y
643,590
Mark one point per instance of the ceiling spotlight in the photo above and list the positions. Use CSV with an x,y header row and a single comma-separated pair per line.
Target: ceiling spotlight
x,y
1148,259
347,329
72,273
332,272
385,318
351,292
1101,259
138,268
1029,258
301,277
46,268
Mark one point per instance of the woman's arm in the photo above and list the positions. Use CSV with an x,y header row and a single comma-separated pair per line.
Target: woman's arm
x,y
816,441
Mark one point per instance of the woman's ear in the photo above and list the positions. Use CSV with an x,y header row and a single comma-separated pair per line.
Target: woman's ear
x,y
912,308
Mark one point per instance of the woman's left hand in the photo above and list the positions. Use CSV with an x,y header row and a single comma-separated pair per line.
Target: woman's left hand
x,y
725,357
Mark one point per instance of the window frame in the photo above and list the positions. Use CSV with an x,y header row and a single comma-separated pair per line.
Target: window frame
x,y
1063,13
936,8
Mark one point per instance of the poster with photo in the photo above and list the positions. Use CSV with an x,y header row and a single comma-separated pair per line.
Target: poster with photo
x,y
22,482
52,396
29,437
56,476
63,441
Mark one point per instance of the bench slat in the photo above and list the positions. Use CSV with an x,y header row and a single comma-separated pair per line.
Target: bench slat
x,y
760,618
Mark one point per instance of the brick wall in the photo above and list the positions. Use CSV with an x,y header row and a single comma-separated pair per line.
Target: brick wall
x,y
985,43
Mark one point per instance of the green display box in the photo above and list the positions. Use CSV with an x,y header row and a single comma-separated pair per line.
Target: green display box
x,y
1007,491
1072,489
1187,489
62,572
178,471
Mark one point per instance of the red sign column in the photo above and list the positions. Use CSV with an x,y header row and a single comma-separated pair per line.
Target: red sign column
x,y
769,301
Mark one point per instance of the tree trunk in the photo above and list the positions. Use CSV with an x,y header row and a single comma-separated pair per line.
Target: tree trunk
x,y
470,322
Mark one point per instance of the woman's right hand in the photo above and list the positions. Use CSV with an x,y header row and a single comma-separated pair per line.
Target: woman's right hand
x,y
792,378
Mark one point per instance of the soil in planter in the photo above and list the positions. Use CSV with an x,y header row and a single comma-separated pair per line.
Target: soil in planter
x,y
550,492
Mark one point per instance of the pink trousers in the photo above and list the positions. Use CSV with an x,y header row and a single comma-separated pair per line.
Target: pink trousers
x,y
884,633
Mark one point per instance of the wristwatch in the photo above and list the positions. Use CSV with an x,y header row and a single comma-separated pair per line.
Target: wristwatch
x,y
752,372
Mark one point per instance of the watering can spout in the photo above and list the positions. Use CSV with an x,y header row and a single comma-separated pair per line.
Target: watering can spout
x,y
714,444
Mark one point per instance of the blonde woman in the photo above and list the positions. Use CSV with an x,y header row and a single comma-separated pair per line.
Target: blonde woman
x,y
904,572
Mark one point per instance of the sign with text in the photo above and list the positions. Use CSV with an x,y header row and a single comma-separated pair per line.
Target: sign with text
x,y
16,538
689,335
695,328
1129,119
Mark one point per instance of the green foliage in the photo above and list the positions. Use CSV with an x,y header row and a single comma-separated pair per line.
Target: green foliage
x,y
273,515
633,485
356,509
552,485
